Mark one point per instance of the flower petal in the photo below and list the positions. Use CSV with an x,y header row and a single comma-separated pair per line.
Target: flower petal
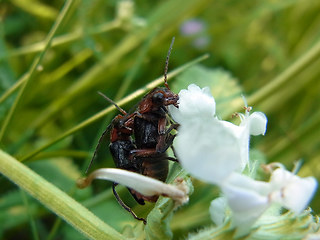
x,y
194,103
291,191
207,150
257,123
241,134
246,197
142,184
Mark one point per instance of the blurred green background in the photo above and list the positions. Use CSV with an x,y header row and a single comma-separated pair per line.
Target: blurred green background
x,y
271,48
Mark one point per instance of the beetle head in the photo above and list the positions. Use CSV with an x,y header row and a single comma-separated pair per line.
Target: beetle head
x,y
164,97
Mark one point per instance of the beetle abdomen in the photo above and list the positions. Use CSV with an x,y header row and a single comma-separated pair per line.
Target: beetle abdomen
x,y
156,167
120,151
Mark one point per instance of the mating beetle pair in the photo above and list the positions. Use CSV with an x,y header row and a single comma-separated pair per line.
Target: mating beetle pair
x,y
148,125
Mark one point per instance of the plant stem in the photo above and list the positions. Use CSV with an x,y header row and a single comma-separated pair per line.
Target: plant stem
x,y
56,200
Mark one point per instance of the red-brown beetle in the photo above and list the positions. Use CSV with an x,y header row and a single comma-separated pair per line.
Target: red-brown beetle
x,y
148,125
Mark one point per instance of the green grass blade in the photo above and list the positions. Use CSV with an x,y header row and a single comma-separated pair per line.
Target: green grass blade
x,y
63,39
298,66
15,87
33,226
134,70
34,66
37,8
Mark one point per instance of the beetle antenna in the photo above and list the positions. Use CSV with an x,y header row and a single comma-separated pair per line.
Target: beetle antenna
x,y
111,101
167,64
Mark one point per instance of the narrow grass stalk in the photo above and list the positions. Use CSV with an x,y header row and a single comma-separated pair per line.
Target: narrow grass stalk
x,y
308,132
34,66
56,200
57,74
294,69
63,39
15,87
37,8
303,80
33,226
54,229
125,100
74,154
275,85
133,71
61,71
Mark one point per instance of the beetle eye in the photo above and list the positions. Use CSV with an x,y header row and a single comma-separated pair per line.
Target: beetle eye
x,y
158,98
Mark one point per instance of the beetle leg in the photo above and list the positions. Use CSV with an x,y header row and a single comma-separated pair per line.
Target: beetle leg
x,y
143,152
151,153
128,119
173,126
174,154
173,159
165,138
124,205
167,142
162,145
162,126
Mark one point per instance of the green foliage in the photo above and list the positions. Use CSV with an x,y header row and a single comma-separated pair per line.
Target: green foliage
x,y
55,56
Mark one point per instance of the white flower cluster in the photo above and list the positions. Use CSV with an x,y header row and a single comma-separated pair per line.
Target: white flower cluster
x,y
217,151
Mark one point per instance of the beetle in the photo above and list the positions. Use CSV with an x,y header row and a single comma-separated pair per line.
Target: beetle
x,y
146,153
152,136
120,147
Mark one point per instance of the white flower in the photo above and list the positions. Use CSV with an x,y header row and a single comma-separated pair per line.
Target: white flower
x,y
291,191
217,151
209,148
206,157
142,184
248,199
